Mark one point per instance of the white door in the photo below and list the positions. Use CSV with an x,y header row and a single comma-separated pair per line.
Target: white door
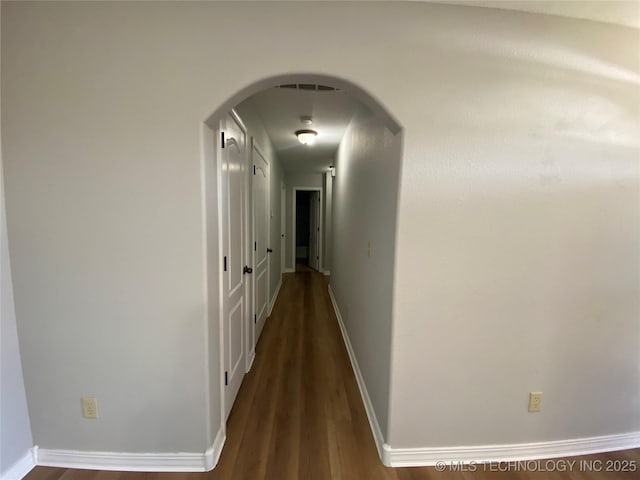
x,y
283,226
234,213
314,230
261,248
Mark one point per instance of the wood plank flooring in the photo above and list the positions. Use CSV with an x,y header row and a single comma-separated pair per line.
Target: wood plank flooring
x,y
299,414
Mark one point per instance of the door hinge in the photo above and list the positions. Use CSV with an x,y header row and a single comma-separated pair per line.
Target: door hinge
x,y
255,319
318,228
255,246
226,378
254,169
221,139
225,263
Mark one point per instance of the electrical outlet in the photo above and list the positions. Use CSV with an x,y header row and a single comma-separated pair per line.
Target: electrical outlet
x,y
89,407
535,401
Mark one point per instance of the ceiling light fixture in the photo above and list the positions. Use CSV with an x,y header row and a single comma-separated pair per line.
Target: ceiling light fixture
x,y
306,137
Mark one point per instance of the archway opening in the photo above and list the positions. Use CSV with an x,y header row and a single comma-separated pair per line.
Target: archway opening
x,y
254,167
339,83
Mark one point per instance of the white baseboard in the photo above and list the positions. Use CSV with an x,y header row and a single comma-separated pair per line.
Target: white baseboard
x,y
21,467
368,406
212,455
252,357
289,270
327,272
134,462
275,297
414,457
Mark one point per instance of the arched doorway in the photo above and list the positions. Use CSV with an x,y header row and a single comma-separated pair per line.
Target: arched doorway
x,y
234,251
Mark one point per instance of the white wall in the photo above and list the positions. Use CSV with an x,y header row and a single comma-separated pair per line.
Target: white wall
x,y
518,224
518,255
365,194
293,180
102,169
15,430
15,434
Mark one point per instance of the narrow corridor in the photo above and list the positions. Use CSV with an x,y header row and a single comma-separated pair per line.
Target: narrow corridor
x,y
299,414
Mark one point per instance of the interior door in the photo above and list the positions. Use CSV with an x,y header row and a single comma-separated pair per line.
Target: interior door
x,y
234,213
261,213
314,230
283,227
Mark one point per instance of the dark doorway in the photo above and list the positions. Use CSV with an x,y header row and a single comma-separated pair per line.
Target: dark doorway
x,y
303,200
308,235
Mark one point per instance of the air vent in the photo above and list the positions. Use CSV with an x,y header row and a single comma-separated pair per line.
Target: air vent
x,y
309,87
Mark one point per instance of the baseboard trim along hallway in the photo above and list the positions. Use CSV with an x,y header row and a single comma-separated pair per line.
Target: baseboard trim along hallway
x,y
275,297
133,462
368,406
429,456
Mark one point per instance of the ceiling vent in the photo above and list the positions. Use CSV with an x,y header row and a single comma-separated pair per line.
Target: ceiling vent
x,y
311,87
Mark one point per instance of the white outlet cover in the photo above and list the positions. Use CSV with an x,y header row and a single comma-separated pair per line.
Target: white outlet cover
x,y
535,401
89,407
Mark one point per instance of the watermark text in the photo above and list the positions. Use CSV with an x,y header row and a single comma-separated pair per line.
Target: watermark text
x,y
561,465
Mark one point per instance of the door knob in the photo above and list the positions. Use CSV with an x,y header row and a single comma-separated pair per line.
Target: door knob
x,y
269,250
247,269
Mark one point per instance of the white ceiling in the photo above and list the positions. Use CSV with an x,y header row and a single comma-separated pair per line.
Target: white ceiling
x,y
620,12
280,110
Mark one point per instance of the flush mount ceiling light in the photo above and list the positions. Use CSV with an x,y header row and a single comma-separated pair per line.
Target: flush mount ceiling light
x,y
306,136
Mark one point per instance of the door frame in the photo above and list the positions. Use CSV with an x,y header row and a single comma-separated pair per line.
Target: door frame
x,y
320,223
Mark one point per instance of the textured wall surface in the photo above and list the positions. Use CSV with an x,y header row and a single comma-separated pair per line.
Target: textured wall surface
x,y
366,197
517,247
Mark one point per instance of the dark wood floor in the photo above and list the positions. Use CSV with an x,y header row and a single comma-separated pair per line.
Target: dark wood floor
x,y
299,414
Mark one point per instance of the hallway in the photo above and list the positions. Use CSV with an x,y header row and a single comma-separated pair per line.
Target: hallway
x,y
299,414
